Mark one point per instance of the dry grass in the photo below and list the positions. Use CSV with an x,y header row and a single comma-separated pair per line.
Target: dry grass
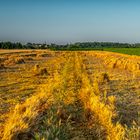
x,y
14,60
45,55
114,60
75,95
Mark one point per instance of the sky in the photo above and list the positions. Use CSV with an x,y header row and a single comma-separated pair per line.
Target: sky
x,y
69,21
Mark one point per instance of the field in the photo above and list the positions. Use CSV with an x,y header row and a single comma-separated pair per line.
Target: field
x,y
130,51
62,95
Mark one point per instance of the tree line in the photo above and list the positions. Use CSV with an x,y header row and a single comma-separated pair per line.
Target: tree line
x,y
75,46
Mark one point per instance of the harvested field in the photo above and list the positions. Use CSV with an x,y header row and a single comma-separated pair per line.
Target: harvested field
x,y
88,95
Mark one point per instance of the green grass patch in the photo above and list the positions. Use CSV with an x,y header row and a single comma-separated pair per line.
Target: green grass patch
x,y
130,51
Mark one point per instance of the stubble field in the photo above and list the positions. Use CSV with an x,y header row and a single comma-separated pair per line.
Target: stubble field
x,y
54,95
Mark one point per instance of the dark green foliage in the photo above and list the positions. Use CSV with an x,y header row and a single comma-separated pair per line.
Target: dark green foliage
x,y
92,46
132,49
9,45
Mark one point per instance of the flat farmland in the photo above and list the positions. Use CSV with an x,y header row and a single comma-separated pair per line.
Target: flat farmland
x,y
130,51
62,95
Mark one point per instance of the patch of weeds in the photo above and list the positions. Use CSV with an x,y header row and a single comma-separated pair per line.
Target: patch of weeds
x,y
52,127
133,132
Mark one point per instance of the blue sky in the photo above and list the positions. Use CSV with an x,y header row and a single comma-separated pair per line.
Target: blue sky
x,y
67,21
